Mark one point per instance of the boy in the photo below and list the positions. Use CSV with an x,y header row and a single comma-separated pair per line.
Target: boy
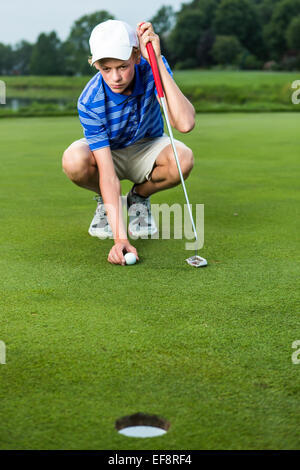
x,y
124,139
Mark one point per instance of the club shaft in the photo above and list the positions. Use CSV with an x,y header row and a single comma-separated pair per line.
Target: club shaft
x,y
163,103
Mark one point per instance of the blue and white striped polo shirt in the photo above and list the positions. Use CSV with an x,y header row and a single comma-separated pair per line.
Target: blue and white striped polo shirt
x,y
114,120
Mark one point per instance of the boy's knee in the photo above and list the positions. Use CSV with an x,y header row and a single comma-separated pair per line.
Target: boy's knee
x,y
69,163
74,163
186,161
66,161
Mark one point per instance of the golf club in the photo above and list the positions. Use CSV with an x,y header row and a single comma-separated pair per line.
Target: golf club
x,y
196,261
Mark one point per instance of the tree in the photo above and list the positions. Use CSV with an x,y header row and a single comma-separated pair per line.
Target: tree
x,y
293,34
22,56
76,47
204,48
275,31
207,7
226,49
265,10
239,18
163,21
6,59
185,36
46,58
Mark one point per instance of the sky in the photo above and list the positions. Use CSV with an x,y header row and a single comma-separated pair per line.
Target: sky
x,y
26,19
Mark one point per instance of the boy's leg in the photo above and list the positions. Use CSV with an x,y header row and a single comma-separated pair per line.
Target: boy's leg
x,y
165,173
80,166
155,169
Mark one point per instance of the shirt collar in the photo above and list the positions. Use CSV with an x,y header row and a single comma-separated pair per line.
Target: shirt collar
x,y
138,89
138,84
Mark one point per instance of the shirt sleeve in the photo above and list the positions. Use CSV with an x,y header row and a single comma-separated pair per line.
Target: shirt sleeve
x,y
93,128
167,65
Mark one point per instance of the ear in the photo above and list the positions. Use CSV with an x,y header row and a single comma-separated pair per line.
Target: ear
x,y
138,56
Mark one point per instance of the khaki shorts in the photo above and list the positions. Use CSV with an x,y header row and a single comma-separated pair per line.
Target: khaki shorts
x,y
136,162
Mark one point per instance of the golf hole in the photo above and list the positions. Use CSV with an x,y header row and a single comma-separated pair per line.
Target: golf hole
x,y
142,425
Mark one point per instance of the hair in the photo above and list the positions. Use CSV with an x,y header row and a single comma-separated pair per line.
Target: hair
x,y
135,52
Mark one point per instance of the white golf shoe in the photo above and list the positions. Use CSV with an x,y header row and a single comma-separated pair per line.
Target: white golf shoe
x,y
141,221
99,226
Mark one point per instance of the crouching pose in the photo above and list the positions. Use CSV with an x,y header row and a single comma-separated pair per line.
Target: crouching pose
x,y
124,133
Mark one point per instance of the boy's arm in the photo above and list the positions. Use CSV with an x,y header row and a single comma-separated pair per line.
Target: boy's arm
x,y
110,189
181,112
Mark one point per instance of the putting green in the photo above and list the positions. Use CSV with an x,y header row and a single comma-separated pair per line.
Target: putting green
x,y
208,349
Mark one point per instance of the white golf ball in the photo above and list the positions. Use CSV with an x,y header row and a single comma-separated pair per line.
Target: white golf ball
x,y
130,258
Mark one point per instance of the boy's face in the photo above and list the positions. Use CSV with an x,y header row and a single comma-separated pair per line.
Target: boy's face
x,y
119,74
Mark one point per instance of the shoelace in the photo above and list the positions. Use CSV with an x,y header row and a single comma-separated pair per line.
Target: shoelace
x,y
100,209
141,219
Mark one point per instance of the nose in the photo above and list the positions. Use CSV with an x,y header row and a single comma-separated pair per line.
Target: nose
x,y
116,76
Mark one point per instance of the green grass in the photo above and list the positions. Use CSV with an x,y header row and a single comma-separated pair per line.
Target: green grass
x,y
208,349
236,78
209,90
183,77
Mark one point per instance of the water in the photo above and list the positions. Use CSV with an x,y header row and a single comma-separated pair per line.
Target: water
x,y
16,103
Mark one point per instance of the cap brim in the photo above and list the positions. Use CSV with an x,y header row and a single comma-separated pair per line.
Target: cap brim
x,y
120,53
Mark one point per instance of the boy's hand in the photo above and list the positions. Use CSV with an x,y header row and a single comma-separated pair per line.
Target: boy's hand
x,y
116,254
146,34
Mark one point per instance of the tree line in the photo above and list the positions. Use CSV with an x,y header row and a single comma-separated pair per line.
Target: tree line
x,y
245,34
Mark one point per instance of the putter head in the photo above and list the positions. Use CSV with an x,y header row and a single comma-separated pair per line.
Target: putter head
x,y
196,261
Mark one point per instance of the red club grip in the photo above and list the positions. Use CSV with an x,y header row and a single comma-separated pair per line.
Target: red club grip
x,y
155,70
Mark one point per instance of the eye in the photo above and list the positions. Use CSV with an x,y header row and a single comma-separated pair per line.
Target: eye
x,y
123,67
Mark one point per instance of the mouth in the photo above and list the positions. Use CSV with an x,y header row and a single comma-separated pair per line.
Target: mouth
x,y
117,86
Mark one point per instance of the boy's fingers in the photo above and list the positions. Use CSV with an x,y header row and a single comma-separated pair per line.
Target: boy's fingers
x,y
114,260
111,258
143,26
116,256
133,250
140,29
119,255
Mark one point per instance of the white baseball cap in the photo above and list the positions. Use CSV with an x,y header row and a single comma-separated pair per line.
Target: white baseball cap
x,y
112,39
